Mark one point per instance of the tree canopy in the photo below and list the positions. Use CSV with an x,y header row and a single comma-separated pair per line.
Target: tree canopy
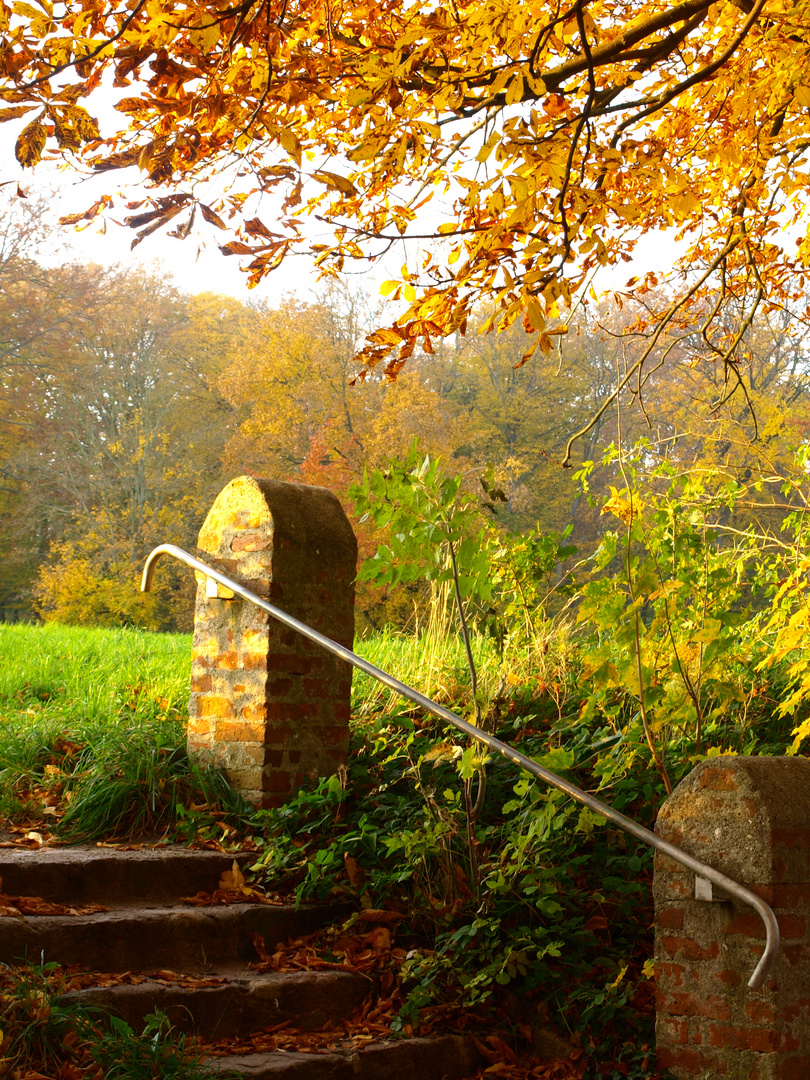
x,y
520,145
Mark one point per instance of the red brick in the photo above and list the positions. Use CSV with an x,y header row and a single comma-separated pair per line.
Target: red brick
x,y
254,751
280,687
295,665
730,978
796,955
251,542
690,1061
760,1012
695,1004
760,1040
333,736
670,918
214,705
280,782
716,779
689,949
793,1068
278,734
749,923
253,661
792,836
669,972
199,727
316,687
794,1010
670,1030
201,684
785,895
236,731
791,926
745,922
255,714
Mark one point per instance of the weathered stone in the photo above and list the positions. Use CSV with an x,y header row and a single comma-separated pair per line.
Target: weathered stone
x,y
267,705
750,819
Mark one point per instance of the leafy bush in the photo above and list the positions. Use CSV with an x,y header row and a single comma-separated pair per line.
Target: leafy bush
x,y
671,659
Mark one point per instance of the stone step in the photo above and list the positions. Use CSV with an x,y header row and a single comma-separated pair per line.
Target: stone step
x,y
147,929
308,1000
189,939
93,875
435,1057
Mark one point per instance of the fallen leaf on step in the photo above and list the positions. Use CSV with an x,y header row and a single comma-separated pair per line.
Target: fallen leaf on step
x,y
233,878
35,905
245,895
377,915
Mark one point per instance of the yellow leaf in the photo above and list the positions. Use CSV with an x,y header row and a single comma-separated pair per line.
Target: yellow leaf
x,y
620,507
335,180
12,114
488,147
291,144
233,878
514,91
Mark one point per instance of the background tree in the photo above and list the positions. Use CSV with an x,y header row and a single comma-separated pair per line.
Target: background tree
x,y
124,430
39,310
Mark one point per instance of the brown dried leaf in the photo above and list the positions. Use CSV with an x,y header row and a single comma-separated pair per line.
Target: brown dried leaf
x,y
31,143
211,217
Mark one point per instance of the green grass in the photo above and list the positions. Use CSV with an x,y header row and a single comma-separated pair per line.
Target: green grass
x,y
92,721
92,726
90,674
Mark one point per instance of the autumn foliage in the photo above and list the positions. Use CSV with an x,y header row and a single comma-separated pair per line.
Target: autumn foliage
x,y
516,147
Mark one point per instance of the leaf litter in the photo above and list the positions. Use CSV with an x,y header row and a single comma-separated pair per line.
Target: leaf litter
x,y
19,906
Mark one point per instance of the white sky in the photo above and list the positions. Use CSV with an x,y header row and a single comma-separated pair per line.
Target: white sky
x,y
204,269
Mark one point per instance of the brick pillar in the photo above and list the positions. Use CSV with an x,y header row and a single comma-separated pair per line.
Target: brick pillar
x,y
267,705
749,818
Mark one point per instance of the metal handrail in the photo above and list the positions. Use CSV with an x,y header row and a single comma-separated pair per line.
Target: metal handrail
x,y
625,823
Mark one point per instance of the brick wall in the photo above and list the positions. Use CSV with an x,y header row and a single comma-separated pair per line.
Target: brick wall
x,y
268,706
750,819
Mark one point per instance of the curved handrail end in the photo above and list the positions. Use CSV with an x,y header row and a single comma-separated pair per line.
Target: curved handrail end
x,y
151,563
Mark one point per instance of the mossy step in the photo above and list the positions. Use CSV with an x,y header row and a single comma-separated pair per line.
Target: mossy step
x,y
308,1000
94,875
435,1057
191,939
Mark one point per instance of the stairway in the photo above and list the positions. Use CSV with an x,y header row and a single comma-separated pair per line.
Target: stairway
x,y
196,962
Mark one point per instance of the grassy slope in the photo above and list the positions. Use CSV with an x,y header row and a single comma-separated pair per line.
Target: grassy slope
x,y
84,674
